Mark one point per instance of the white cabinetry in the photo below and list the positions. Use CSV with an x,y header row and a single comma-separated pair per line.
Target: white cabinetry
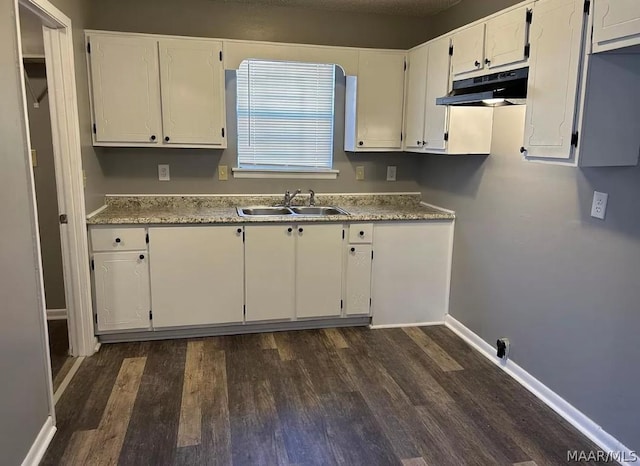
x,y
196,275
416,96
318,270
358,269
411,272
156,92
616,24
556,52
468,50
435,119
374,103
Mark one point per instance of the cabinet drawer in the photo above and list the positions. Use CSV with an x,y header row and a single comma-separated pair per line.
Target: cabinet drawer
x,y
361,233
118,239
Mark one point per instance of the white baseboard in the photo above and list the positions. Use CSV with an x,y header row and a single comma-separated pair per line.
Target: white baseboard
x,y
420,324
572,415
56,314
39,447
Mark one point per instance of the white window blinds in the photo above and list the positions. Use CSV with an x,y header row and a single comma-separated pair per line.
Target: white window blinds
x,y
285,115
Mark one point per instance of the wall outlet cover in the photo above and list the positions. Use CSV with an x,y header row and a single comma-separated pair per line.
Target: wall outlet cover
x,y
223,173
163,173
359,173
599,205
391,173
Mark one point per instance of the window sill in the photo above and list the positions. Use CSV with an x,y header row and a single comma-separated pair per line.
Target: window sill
x,y
290,174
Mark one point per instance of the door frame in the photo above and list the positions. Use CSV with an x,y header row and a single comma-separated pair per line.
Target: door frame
x,y
65,129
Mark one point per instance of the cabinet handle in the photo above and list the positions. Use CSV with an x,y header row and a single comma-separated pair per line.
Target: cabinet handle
x,y
153,137
477,63
167,138
239,230
487,61
424,143
141,256
361,143
353,249
418,142
118,240
523,150
362,233
300,230
289,230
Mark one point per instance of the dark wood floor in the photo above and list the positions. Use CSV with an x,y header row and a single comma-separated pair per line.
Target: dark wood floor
x,y
61,362
353,396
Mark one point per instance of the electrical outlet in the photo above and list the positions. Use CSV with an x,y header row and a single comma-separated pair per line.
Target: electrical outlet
x,y
359,173
503,345
391,173
163,173
223,174
599,205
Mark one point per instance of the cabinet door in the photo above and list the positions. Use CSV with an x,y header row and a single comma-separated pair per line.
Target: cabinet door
x,y
358,284
125,83
468,50
269,272
380,100
615,20
438,70
415,101
411,271
192,78
121,281
196,275
556,51
506,38
318,270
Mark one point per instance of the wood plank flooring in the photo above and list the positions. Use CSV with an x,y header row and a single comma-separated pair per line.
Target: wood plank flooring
x,y
352,396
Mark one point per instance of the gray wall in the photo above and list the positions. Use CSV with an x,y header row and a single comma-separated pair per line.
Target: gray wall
x,y
24,402
46,194
134,171
531,264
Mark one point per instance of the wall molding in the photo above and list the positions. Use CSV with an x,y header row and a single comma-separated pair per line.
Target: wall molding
x,y
572,415
39,447
418,324
56,314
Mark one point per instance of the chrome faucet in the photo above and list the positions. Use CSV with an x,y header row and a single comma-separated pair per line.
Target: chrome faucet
x,y
288,197
312,198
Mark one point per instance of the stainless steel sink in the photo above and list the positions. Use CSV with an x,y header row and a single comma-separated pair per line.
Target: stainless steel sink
x,y
317,211
263,211
313,211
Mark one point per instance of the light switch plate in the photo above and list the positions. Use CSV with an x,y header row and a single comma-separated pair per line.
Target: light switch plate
x,y
391,173
599,205
163,173
223,173
359,173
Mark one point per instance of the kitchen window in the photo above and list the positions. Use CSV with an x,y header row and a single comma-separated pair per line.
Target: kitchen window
x,y
285,113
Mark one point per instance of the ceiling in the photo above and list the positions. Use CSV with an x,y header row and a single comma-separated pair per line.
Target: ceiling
x,y
389,7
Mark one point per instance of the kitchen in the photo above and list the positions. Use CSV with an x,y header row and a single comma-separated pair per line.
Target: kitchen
x,y
521,264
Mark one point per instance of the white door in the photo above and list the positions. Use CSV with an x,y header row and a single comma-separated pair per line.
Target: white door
x,y
192,78
125,83
358,283
196,275
438,71
468,50
415,101
318,270
556,51
122,298
380,100
614,20
269,272
411,270
506,38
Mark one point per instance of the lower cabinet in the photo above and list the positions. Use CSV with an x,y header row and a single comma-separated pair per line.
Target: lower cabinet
x,y
358,279
196,275
121,284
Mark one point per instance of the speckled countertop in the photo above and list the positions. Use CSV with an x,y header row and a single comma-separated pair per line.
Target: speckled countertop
x,y
122,210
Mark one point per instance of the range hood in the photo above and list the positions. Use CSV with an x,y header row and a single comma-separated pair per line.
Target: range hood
x,y
505,88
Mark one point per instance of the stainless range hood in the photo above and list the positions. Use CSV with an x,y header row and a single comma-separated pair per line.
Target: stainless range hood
x,y
505,88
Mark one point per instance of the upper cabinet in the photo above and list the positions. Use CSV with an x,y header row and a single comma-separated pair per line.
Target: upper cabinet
x,y
416,96
161,93
554,64
499,42
374,103
616,24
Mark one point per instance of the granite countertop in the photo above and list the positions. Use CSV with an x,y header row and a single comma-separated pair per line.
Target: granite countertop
x,y
147,210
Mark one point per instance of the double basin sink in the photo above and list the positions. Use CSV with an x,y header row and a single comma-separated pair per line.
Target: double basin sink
x,y
313,211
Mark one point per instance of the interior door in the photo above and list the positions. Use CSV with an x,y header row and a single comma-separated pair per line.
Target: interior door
x,y
125,83
468,50
506,38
